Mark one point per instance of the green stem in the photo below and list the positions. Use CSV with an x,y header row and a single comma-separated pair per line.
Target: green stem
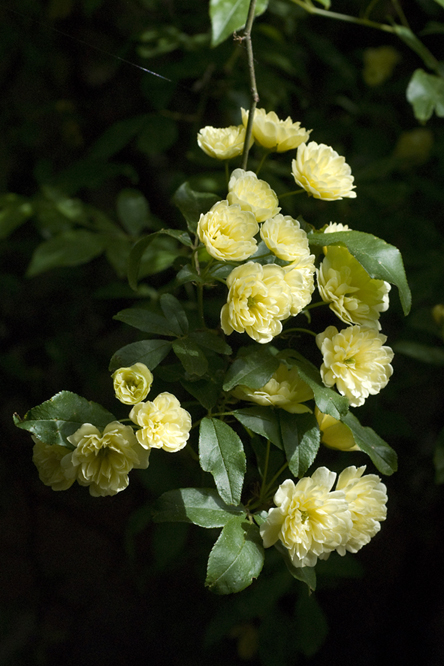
x,y
254,93
276,476
315,305
290,194
264,476
261,163
311,9
299,330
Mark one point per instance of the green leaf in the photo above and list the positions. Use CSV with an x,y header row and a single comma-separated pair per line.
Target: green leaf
x,y
227,16
301,438
117,137
150,352
327,400
70,248
221,453
409,38
174,313
191,356
381,260
236,559
438,458
311,626
58,418
138,249
133,211
424,353
381,454
252,370
146,321
204,390
210,340
200,506
14,210
425,93
157,135
440,2
263,421
306,575
192,204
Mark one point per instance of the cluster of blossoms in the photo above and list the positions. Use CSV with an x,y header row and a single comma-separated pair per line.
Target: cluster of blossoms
x,y
103,460
311,520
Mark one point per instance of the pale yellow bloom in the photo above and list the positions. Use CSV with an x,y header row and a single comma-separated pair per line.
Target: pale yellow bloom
x,y
285,389
310,520
356,361
351,293
334,433
322,172
334,227
250,193
132,384
102,461
222,143
228,232
275,134
47,458
438,314
258,300
379,63
164,424
367,498
299,277
284,237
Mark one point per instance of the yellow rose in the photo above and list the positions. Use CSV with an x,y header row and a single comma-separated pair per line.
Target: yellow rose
x,y
222,143
323,173
334,433
47,458
299,277
164,424
356,361
250,193
351,293
284,237
132,384
285,389
102,461
275,134
310,519
258,299
228,232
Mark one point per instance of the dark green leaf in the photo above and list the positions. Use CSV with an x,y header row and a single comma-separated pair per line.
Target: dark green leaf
x,y
409,38
327,400
117,137
174,313
150,352
14,211
157,135
425,93
210,340
301,438
200,506
252,370
188,274
222,454
311,626
381,260
133,211
58,418
262,420
204,390
192,204
420,352
191,356
146,321
70,248
306,575
236,559
138,249
227,16
381,454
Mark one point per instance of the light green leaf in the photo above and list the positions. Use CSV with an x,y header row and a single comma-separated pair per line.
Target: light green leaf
x,y
133,211
174,313
327,400
236,559
381,454
424,353
381,260
200,506
252,370
425,93
221,453
14,211
440,2
70,248
58,418
301,438
149,352
263,421
191,356
227,16
146,321
192,204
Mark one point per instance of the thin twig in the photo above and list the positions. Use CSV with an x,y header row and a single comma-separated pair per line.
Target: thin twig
x,y
254,93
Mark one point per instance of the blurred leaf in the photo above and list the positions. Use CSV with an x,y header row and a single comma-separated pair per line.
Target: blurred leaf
x,y
138,250
117,137
221,453
58,418
174,313
158,134
133,211
146,321
311,627
301,438
381,260
227,16
150,352
263,421
200,506
440,2
381,454
327,400
425,93
420,352
192,204
409,38
70,248
438,458
252,370
236,558
14,211
191,356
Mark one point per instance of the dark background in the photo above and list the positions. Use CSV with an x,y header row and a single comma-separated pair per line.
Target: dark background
x,y
91,581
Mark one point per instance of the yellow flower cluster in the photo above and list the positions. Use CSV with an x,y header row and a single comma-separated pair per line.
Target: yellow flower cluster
x,y
164,424
228,232
311,520
285,390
